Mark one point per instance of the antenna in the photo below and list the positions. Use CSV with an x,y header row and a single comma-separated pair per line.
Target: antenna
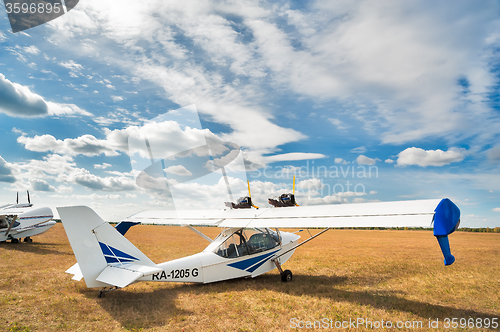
x,y
17,197
29,201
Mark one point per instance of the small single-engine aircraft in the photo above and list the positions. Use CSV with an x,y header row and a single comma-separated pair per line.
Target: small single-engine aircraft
x,y
19,221
246,246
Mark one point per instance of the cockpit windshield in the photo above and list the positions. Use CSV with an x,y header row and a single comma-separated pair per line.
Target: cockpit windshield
x,y
248,241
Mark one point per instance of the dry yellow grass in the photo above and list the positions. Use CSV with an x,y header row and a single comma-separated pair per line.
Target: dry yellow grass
x,y
344,274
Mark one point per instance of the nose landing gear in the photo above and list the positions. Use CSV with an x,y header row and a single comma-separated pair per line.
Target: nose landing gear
x,y
286,276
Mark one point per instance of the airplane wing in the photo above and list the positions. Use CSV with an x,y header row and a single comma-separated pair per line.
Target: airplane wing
x,y
418,213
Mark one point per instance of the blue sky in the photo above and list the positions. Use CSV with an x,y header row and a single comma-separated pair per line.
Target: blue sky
x,y
405,93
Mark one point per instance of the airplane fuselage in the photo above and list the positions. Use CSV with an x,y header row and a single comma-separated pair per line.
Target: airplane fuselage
x,y
23,231
210,266
20,221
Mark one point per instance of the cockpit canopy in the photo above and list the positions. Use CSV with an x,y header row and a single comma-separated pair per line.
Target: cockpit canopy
x,y
248,241
5,221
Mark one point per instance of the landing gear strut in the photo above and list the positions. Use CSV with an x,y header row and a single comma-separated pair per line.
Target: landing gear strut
x,y
103,291
286,276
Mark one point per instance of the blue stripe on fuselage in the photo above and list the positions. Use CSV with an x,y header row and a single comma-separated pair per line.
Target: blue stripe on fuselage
x,y
253,263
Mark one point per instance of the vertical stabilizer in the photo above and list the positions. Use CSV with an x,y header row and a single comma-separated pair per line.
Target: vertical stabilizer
x,y
79,223
98,246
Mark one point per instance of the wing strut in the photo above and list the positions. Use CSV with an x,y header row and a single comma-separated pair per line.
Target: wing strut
x,y
10,225
199,233
298,245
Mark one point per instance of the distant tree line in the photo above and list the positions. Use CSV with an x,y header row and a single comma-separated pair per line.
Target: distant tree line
x,y
480,230
462,229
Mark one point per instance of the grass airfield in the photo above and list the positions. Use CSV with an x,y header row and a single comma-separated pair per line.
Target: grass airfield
x,y
343,275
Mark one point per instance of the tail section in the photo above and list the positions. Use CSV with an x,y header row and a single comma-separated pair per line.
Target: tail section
x,y
105,257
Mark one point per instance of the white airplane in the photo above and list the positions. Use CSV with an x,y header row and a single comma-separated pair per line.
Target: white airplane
x,y
246,246
19,221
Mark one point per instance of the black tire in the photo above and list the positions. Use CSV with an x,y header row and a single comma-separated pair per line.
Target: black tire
x,y
286,276
14,241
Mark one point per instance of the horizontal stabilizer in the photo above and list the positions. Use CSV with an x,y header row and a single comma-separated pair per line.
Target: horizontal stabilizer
x,y
124,275
124,226
76,272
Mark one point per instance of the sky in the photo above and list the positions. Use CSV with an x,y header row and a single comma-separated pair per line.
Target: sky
x,y
360,100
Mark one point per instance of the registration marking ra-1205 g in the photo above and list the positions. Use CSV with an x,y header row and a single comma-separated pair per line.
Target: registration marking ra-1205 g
x,y
175,274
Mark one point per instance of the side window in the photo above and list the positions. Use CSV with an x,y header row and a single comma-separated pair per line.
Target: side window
x,y
261,241
4,222
235,246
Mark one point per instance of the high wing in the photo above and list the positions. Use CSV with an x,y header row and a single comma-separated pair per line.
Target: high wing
x,y
418,213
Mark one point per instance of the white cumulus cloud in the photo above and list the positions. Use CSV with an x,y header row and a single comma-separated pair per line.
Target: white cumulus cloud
x,y
424,158
364,160
19,101
178,170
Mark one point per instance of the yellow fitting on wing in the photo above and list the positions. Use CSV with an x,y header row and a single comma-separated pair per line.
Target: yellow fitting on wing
x,y
250,194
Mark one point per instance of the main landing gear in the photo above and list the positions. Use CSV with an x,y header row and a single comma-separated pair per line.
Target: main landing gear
x,y
103,291
286,276
26,239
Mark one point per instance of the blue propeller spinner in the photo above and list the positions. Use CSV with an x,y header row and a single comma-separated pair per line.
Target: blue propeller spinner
x,y
446,221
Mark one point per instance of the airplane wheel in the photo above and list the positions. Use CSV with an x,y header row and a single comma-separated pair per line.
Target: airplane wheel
x,y
286,276
14,241
28,239
101,294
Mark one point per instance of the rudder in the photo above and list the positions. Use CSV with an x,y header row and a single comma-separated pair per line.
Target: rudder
x,y
97,245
